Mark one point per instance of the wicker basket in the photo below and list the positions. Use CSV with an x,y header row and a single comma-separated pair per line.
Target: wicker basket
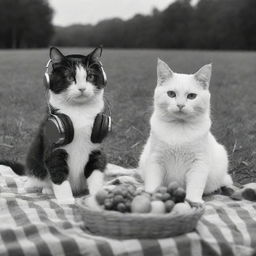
x,y
132,225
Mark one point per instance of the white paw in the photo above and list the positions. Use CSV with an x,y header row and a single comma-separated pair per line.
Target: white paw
x,y
47,191
66,201
30,188
195,200
32,185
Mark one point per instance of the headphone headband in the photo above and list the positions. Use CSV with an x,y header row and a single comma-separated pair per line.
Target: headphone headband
x,y
46,75
48,63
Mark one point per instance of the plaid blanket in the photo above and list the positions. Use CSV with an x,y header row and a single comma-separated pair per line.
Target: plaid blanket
x,y
34,224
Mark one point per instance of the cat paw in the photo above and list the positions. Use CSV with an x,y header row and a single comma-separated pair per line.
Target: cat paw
x,y
47,191
195,203
66,201
31,186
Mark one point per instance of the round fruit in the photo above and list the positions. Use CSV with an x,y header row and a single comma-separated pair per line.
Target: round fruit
x,y
121,207
128,206
172,187
131,189
181,208
117,190
169,205
179,195
118,199
101,195
157,207
108,204
166,196
141,204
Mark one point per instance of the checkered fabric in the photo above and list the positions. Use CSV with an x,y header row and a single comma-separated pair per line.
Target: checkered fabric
x,y
35,224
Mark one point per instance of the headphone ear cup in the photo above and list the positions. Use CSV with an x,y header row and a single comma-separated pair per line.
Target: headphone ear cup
x,y
67,127
96,129
58,130
53,132
105,128
100,128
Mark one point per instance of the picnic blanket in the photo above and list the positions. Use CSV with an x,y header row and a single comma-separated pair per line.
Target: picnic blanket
x,y
35,224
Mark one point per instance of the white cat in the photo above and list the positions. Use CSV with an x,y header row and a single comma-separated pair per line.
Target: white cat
x,y
181,146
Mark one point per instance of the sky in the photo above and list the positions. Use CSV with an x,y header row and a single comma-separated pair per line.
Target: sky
x,y
69,12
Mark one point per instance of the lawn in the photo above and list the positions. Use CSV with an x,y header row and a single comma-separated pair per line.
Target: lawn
x,y
131,81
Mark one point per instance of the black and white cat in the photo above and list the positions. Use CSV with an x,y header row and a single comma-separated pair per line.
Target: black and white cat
x,y
77,91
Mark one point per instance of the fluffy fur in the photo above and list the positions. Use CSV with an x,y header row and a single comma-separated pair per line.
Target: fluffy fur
x,y
181,146
82,117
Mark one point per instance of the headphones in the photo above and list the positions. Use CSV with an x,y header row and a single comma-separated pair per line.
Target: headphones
x,y
47,80
58,128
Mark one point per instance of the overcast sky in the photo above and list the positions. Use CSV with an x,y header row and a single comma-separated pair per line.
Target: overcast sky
x,y
91,11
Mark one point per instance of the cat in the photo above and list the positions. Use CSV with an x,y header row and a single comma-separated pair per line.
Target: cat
x,y
76,89
181,146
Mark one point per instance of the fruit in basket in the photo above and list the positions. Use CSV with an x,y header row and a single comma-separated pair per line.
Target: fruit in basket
x,y
179,195
158,207
118,199
108,203
140,204
172,187
121,207
169,205
181,208
101,195
128,198
166,197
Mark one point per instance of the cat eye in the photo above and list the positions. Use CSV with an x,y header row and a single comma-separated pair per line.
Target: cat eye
x,y
171,94
191,96
69,75
70,78
90,77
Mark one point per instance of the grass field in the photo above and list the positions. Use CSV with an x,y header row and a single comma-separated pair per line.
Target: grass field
x,y
131,81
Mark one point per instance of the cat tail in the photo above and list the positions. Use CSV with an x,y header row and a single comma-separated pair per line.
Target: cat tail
x,y
18,168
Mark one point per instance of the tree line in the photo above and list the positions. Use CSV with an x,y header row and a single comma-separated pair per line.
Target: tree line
x,y
25,23
210,24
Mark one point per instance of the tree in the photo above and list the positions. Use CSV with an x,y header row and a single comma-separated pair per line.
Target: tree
x,y
247,17
25,23
174,25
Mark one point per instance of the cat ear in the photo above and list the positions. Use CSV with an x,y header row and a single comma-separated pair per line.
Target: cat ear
x,y
203,75
163,72
96,53
55,55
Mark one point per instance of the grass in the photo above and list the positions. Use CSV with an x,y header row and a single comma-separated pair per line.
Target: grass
x,y
131,81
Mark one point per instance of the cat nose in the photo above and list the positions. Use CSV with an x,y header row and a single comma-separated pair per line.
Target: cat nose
x,y
180,106
81,89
